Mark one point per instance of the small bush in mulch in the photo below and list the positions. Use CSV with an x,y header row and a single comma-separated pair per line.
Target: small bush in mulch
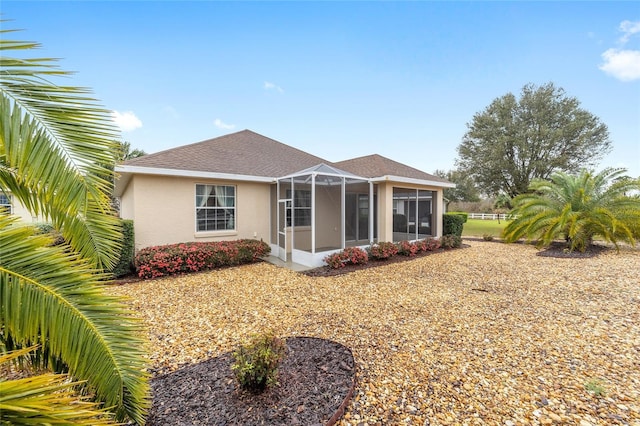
x,y
256,363
315,383
158,261
450,241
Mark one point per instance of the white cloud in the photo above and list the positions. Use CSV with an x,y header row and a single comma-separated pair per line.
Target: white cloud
x,y
629,28
222,125
622,64
271,86
127,120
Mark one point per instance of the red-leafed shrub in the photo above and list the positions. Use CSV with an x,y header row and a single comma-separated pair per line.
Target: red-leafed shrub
x,y
428,244
158,261
383,250
407,248
335,260
353,255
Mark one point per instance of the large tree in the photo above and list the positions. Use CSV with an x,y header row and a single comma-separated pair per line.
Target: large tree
x,y
125,152
514,141
54,144
465,189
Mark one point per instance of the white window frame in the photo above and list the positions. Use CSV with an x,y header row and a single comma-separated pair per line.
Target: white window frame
x,y
207,194
298,209
6,202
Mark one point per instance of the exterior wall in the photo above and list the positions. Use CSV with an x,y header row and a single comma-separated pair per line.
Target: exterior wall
x,y
385,211
385,207
19,210
163,210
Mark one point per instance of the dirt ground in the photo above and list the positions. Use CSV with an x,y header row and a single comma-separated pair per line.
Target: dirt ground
x,y
488,334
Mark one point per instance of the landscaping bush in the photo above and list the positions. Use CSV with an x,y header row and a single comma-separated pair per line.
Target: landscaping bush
x,y
125,261
450,241
428,244
256,363
406,248
452,224
352,255
47,228
383,250
465,215
153,262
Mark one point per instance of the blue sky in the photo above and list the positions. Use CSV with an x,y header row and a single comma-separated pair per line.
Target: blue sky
x,y
340,79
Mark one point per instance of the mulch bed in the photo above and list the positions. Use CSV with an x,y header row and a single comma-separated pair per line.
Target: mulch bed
x,y
326,271
559,249
315,381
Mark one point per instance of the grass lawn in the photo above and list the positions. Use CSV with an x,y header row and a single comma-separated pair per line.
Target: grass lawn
x,y
480,227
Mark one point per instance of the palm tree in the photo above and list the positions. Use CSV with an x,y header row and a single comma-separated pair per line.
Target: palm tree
x,y
54,144
46,399
578,208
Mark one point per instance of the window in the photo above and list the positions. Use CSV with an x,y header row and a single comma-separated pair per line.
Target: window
x,y
302,207
5,203
215,208
413,216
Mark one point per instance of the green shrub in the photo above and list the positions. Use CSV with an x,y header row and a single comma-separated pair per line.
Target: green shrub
x,y
452,224
256,363
465,215
450,241
125,261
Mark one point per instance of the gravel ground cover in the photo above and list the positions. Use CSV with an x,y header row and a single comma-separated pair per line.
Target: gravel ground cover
x,y
488,334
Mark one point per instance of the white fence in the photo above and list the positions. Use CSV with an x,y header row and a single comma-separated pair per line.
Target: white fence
x,y
489,216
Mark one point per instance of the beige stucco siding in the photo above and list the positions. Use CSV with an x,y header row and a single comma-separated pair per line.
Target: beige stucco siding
x,y
385,207
25,215
163,210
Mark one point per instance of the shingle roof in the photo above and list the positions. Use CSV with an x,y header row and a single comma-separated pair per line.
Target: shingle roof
x,y
372,166
242,153
251,154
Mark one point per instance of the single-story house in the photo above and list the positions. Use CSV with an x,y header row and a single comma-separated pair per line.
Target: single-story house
x,y
245,185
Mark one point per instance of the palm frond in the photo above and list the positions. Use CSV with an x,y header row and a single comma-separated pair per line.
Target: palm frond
x,y
54,298
55,148
46,399
579,208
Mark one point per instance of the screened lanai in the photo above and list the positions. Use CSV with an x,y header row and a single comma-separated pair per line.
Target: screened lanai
x,y
323,209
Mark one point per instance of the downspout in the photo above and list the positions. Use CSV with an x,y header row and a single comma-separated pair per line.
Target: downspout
x,y
313,213
371,214
342,214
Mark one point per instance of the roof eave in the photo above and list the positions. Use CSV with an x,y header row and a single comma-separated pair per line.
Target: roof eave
x,y
402,179
125,170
